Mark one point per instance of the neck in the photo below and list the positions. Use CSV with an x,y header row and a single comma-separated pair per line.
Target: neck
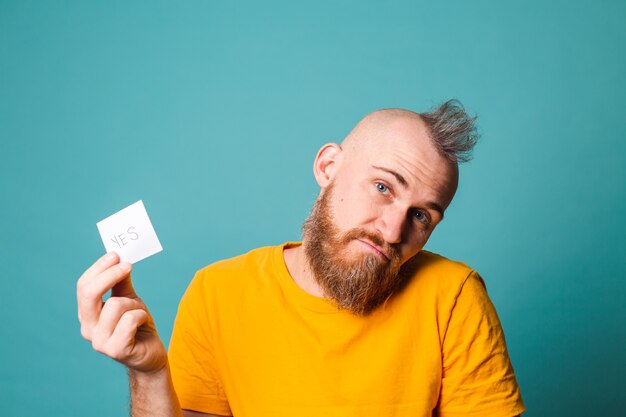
x,y
300,270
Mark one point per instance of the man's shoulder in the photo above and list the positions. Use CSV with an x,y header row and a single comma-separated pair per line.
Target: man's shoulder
x,y
430,279
427,262
254,257
222,284
429,269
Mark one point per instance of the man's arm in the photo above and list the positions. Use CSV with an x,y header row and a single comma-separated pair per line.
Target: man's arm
x,y
123,329
477,372
153,394
161,382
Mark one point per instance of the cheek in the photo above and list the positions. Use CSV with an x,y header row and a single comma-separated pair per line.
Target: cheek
x,y
352,208
343,211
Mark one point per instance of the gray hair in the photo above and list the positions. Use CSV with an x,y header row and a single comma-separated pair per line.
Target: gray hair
x,y
452,130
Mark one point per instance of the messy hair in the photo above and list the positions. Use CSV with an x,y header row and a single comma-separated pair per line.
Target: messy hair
x,y
452,130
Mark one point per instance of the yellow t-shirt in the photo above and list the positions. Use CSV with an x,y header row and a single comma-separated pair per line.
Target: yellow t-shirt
x,y
249,342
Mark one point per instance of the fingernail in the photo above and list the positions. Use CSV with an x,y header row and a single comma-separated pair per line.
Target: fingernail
x,y
110,256
125,266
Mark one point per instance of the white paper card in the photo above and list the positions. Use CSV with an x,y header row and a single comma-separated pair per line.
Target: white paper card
x,y
130,234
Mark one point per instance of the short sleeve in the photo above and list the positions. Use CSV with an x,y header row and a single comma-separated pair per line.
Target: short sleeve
x,y
478,378
194,371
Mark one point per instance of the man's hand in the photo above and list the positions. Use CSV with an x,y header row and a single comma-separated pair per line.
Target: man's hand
x,y
121,328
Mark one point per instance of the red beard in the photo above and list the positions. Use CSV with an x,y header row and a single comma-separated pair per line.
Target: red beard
x,y
356,282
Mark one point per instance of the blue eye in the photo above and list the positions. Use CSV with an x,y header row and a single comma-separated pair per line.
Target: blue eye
x,y
382,187
420,216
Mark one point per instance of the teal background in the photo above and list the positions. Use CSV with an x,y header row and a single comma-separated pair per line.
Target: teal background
x,y
212,112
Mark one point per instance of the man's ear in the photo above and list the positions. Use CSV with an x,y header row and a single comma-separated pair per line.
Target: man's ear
x,y
325,165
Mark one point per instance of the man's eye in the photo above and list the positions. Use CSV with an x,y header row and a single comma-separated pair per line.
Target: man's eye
x,y
421,216
382,187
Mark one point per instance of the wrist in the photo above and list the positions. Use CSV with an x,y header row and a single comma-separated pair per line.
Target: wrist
x,y
159,373
151,362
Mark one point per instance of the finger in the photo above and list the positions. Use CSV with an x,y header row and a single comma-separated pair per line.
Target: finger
x,y
100,265
89,295
99,285
112,311
122,342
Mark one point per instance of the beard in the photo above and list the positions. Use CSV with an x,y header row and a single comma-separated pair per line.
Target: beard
x,y
358,282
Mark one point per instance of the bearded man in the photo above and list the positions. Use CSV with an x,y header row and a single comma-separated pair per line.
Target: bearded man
x,y
357,320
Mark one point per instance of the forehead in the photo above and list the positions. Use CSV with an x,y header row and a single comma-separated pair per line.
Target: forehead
x,y
384,131
402,145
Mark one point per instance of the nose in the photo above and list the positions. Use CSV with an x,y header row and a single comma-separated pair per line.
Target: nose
x,y
391,224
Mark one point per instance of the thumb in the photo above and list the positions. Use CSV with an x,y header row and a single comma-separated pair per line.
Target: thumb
x,y
124,288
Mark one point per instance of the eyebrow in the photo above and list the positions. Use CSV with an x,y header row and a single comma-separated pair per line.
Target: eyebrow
x,y
431,204
399,177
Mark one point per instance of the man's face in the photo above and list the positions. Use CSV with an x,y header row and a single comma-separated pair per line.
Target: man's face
x,y
388,191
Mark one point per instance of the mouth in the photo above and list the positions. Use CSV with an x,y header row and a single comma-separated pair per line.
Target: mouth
x,y
374,249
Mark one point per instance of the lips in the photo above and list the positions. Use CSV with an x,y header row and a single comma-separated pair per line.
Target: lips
x,y
376,248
